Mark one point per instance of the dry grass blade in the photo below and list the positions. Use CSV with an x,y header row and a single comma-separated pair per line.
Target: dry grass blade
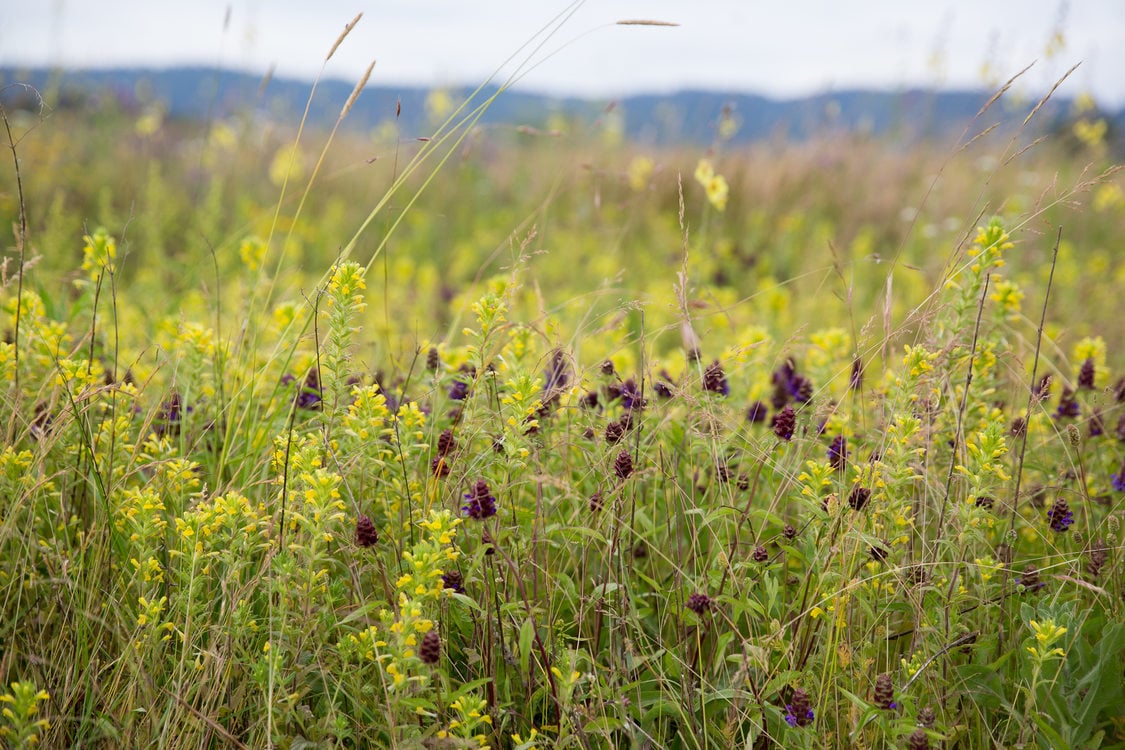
x,y
360,85
1001,91
343,35
1050,93
644,22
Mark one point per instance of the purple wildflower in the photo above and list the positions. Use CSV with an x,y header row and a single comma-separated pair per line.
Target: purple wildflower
x,y
1118,479
699,603
715,380
429,650
481,502
801,388
169,415
1029,580
858,497
757,412
454,581
1068,407
459,391
631,395
799,713
366,535
556,378
784,423
885,693
1060,515
1086,374
838,452
623,465
1097,423
856,380
310,394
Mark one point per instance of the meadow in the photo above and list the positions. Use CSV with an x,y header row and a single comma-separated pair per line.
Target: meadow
x,y
527,438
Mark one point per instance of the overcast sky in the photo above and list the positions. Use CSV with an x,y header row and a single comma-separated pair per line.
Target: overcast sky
x,y
780,48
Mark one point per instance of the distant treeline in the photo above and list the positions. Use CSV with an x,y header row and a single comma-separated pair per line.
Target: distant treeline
x,y
689,117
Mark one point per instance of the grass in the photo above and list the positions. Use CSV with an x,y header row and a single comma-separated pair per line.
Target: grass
x,y
560,454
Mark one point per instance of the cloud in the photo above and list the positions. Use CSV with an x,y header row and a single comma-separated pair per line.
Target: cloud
x,y
775,48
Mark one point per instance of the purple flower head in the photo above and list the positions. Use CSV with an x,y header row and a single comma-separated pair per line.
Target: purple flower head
x,y
664,385
1029,580
1097,423
1060,515
784,423
799,713
1086,374
856,380
781,379
715,379
699,603
169,415
794,720
481,502
838,452
556,378
858,497
1018,428
1118,479
757,412
1068,407
429,651
310,394
631,395
1043,389
885,693
801,389
623,465
433,359
783,374
366,535
454,581
44,422
459,391
557,374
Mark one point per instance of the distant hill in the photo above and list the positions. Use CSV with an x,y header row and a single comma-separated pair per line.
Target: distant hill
x,y
679,117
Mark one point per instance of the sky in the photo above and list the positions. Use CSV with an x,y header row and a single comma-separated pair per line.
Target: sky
x,y
777,48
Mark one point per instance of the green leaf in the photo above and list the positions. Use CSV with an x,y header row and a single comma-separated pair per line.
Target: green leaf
x,y
604,725
527,632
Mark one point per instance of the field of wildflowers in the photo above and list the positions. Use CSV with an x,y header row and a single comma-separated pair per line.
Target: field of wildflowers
x,y
518,440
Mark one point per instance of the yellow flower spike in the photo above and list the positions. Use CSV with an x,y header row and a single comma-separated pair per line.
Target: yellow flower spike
x,y
704,172
99,253
640,172
718,192
252,251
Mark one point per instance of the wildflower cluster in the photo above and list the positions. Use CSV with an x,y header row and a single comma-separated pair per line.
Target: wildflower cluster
x,y
407,641
20,707
344,302
715,185
99,253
